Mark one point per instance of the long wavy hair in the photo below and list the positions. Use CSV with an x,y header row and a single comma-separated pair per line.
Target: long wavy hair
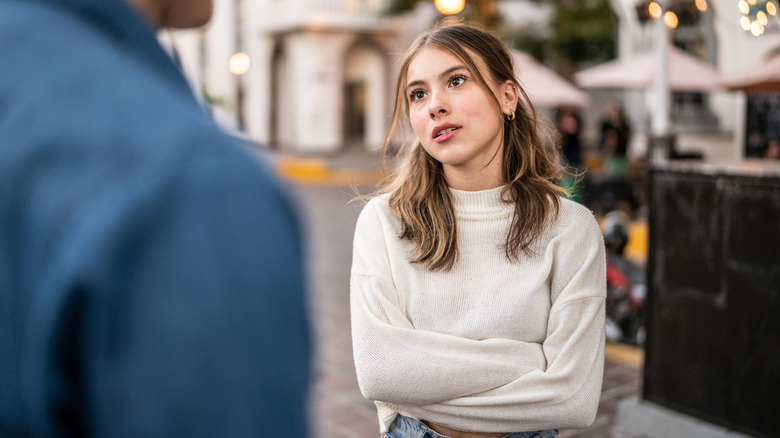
x,y
418,191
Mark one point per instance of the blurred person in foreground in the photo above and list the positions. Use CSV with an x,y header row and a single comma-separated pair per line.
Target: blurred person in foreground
x,y
477,290
150,268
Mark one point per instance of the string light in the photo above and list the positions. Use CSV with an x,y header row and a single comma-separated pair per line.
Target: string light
x,y
755,15
756,28
701,5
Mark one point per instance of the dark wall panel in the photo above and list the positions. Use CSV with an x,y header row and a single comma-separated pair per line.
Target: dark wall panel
x,y
713,346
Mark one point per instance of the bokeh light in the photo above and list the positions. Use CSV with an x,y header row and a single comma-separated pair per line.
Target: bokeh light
x,y
450,7
755,15
239,63
701,5
654,9
670,20
756,28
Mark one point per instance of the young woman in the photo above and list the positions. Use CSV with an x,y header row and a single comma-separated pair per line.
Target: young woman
x,y
477,292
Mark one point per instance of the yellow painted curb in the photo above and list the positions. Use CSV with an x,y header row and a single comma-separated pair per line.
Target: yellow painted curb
x,y
312,171
347,178
625,354
309,168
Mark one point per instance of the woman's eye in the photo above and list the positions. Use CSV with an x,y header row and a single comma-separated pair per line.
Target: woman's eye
x,y
457,81
416,95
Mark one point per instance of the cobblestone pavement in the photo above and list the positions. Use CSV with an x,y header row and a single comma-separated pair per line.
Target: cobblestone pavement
x,y
338,410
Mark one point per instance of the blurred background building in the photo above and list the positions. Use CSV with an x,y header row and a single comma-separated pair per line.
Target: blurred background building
x,y
316,76
301,76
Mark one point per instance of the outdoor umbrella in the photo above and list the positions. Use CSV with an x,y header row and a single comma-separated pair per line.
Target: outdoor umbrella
x,y
765,78
686,73
544,86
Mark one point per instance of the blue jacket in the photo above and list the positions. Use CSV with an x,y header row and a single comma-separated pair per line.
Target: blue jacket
x,y
151,277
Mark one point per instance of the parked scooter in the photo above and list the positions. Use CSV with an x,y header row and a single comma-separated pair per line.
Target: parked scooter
x,y
626,284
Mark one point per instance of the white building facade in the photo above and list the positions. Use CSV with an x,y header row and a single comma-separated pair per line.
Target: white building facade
x,y
322,71
321,75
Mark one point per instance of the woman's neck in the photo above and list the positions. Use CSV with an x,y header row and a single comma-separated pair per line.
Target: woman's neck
x,y
472,180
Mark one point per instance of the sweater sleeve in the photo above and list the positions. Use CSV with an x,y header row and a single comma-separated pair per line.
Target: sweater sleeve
x,y
566,393
399,364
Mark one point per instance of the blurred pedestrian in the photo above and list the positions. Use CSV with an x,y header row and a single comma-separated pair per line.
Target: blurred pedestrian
x,y
615,135
477,292
150,267
569,124
613,188
772,151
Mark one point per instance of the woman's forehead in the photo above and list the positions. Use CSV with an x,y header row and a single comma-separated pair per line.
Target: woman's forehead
x,y
430,60
433,58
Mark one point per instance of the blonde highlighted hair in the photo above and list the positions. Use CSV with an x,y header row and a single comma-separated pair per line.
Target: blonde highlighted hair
x,y
418,191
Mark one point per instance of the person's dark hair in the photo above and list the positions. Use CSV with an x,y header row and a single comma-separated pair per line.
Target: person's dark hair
x,y
418,192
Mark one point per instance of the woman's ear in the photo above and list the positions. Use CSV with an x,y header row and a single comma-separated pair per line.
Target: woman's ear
x,y
509,96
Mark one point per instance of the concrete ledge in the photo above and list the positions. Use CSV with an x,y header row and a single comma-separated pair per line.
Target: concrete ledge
x,y
638,418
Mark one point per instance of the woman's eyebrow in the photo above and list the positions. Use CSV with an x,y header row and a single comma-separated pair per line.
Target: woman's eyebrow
x,y
442,75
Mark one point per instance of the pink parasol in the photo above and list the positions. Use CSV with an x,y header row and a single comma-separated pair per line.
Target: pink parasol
x,y
686,73
544,86
764,78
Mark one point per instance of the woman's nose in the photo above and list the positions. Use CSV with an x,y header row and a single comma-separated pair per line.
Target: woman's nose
x,y
438,105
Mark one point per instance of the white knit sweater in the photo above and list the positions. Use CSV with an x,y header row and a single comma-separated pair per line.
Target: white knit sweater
x,y
492,345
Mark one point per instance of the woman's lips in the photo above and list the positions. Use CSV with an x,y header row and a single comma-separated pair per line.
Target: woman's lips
x,y
444,132
446,136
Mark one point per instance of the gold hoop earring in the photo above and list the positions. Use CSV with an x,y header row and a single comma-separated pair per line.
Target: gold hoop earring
x,y
511,117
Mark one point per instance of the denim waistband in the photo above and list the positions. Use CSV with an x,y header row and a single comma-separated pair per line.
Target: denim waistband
x,y
405,427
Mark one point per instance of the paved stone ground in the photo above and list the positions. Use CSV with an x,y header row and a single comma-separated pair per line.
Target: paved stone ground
x,y
337,408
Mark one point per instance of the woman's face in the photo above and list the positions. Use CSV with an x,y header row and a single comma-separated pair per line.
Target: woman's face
x,y
457,123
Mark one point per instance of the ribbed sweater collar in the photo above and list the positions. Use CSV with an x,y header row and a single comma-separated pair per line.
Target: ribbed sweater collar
x,y
480,204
